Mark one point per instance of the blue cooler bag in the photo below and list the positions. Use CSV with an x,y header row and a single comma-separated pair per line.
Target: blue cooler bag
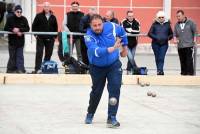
x,y
49,67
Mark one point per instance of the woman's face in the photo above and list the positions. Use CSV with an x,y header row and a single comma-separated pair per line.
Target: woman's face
x,y
18,13
161,19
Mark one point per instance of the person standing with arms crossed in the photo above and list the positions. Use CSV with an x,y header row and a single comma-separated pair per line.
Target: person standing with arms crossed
x,y
103,41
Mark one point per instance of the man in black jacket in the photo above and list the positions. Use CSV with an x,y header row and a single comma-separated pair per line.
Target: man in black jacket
x,y
2,10
84,25
131,26
10,10
44,22
110,16
16,24
71,23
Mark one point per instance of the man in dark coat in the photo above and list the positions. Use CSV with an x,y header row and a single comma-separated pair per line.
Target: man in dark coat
x,y
84,25
10,10
110,16
2,10
44,22
16,24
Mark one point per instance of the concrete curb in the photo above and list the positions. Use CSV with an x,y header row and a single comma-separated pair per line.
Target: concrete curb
x,y
75,79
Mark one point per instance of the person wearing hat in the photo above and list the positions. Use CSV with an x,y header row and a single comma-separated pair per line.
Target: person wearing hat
x,y
160,33
16,24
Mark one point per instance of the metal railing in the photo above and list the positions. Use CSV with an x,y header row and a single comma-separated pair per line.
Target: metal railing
x,y
69,33
82,34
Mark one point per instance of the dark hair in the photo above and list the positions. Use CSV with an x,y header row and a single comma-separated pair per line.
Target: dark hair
x,y
95,16
10,7
75,2
180,11
2,10
129,11
2,7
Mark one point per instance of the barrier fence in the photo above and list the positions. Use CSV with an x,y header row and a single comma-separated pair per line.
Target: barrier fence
x,y
82,34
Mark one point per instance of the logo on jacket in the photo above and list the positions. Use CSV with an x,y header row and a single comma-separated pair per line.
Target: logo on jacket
x,y
87,38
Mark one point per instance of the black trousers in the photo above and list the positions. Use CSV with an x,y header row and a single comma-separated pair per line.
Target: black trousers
x,y
84,52
42,44
186,60
16,58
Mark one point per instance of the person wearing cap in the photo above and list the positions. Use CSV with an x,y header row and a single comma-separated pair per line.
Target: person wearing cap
x,y
185,31
44,21
160,33
16,24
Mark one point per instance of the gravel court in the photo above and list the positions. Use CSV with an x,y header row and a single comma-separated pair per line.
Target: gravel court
x,y
56,109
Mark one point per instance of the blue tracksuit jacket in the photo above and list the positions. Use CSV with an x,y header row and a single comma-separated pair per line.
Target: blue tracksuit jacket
x,y
97,44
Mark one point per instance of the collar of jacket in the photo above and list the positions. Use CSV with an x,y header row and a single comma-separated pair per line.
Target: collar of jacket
x,y
130,21
51,12
166,21
77,12
186,19
17,17
113,19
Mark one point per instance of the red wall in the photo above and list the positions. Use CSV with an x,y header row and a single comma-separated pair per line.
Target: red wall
x,y
144,10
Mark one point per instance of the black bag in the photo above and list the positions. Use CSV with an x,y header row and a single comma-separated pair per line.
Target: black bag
x,y
73,66
140,71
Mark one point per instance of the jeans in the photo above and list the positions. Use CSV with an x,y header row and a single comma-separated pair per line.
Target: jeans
x,y
159,52
131,59
16,58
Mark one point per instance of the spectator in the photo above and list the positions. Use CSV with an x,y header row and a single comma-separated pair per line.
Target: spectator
x,y
16,24
110,16
160,33
2,10
131,26
44,22
10,10
84,25
184,32
2,13
71,23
